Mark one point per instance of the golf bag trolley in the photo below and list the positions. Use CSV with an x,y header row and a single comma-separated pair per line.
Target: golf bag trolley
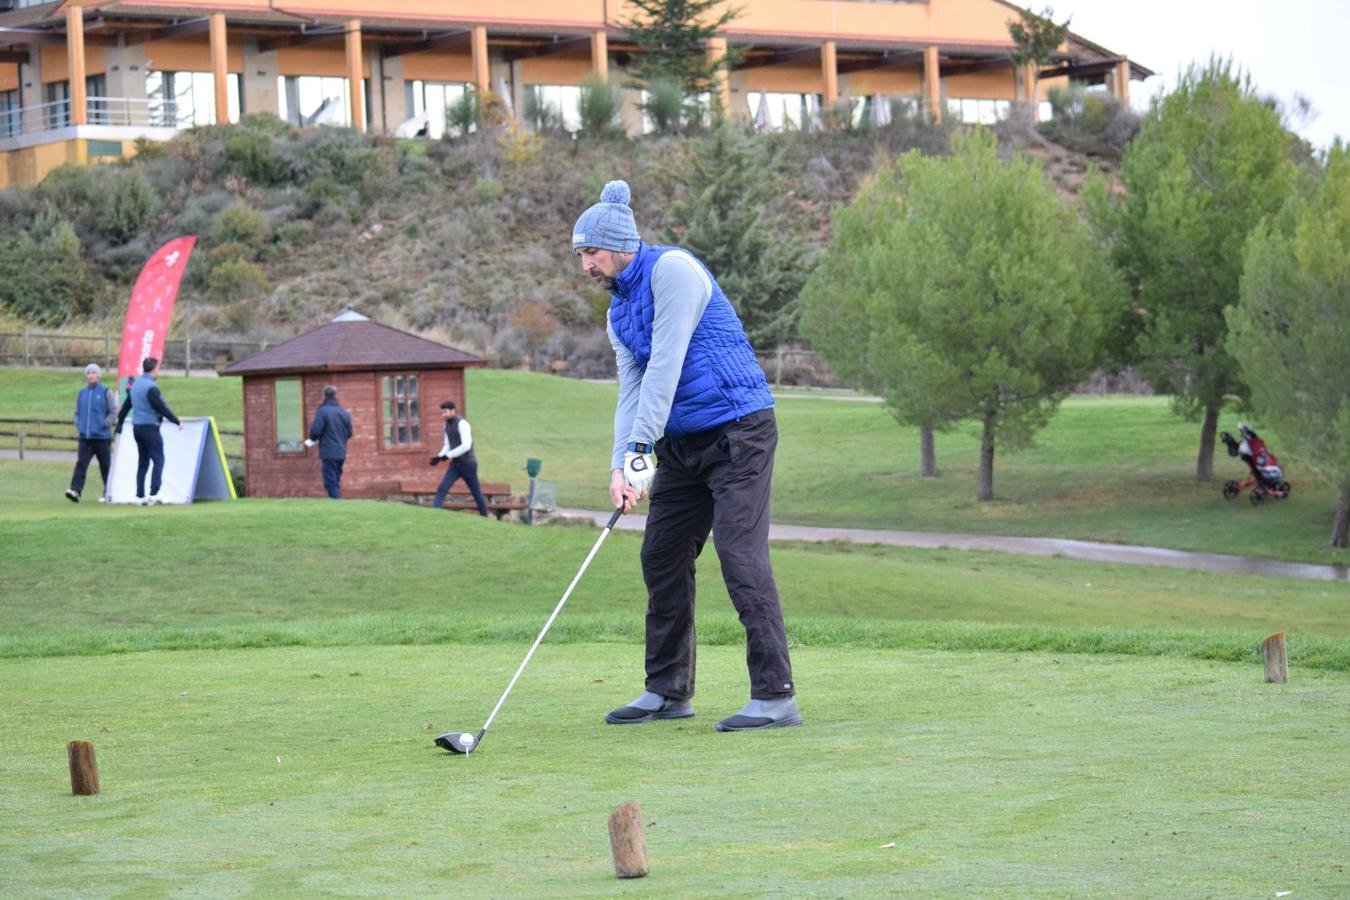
x,y
1265,477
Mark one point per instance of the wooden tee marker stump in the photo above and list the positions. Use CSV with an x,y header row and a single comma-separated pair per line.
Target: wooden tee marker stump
x,y
1276,658
627,841
83,768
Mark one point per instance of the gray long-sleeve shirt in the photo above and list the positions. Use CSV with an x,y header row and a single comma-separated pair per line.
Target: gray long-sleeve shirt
x,y
681,290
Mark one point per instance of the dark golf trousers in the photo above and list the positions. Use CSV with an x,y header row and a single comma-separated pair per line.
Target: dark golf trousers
x,y
149,449
717,480
469,472
332,477
91,448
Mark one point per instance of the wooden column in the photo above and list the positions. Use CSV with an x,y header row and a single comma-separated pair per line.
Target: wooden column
x,y
829,71
1122,86
1275,658
79,114
482,77
627,841
600,54
83,768
355,83
220,70
932,84
717,53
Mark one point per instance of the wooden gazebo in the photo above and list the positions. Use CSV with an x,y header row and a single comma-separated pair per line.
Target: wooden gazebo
x,y
393,383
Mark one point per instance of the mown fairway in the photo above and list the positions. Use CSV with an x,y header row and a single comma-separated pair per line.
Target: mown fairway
x,y
262,680
1114,469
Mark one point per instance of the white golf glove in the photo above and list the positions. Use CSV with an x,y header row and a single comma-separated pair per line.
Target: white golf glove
x,y
639,466
309,443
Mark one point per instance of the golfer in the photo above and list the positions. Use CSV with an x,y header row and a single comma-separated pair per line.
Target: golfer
x,y
694,425
458,449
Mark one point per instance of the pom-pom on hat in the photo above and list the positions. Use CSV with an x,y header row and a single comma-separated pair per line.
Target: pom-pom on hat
x,y
608,225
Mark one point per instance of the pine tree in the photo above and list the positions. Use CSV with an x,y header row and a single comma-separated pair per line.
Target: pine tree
x,y
731,216
672,38
1210,161
971,291
1290,330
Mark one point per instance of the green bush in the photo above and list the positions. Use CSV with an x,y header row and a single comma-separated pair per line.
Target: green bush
x,y
487,190
599,108
462,115
127,205
236,280
240,223
251,154
666,106
43,278
541,115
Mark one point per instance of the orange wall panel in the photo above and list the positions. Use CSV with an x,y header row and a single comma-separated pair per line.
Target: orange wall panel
x,y
191,54
439,65
982,86
56,65
555,69
9,77
884,81
793,78
319,59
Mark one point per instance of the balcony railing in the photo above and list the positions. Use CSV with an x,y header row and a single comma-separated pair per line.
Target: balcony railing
x,y
132,112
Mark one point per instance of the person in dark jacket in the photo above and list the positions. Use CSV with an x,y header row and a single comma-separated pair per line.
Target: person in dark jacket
x,y
692,398
148,410
331,429
95,416
458,448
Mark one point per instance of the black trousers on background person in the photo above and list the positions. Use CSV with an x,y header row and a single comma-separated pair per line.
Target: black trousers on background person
x,y
149,449
714,481
91,448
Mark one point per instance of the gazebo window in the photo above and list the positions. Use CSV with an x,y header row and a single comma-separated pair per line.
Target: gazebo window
x,y
401,401
290,415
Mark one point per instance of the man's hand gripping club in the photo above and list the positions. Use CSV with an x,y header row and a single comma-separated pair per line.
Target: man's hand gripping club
x,y
628,485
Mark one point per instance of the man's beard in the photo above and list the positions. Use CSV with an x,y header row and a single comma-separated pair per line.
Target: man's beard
x,y
604,282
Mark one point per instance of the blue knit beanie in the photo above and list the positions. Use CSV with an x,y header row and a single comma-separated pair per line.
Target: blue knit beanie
x,y
608,225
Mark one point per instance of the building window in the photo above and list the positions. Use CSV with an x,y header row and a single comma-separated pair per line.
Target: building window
x,y
185,99
401,401
314,100
978,112
56,108
289,410
9,113
435,98
553,106
783,112
290,415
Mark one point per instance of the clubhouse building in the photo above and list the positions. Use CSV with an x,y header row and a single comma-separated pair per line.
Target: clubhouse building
x,y
83,81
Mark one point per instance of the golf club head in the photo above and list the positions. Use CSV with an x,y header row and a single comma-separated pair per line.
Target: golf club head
x,y
458,741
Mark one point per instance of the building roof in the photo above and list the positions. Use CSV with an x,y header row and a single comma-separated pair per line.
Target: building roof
x,y
351,341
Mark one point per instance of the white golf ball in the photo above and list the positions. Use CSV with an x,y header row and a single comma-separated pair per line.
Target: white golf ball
x,y
466,740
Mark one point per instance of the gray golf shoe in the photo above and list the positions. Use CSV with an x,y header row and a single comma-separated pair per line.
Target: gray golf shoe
x,y
757,714
648,708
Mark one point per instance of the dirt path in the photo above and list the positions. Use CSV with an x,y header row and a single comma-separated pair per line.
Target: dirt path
x,y
1028,546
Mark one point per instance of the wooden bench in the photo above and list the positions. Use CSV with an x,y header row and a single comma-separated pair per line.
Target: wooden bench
x,y
500,500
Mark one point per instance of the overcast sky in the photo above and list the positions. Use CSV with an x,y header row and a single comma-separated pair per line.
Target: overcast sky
x,y
1289,47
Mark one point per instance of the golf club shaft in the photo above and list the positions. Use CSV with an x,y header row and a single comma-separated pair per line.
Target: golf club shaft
x,y
557,609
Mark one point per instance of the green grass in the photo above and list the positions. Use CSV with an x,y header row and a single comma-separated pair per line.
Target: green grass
x,y
1116,469
262,680
279,772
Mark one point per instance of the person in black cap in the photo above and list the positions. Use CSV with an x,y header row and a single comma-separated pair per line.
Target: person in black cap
x,y
148,410
458,449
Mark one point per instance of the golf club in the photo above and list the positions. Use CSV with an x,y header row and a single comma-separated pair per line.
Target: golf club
x,y
466,742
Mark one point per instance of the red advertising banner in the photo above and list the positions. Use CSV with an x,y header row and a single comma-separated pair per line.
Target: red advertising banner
x,y
151,307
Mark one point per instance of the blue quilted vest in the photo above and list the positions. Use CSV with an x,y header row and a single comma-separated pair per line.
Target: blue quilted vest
x,y
142,413
721,379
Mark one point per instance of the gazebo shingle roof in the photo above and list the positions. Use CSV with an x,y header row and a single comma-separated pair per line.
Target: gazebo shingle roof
x,y
354,344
